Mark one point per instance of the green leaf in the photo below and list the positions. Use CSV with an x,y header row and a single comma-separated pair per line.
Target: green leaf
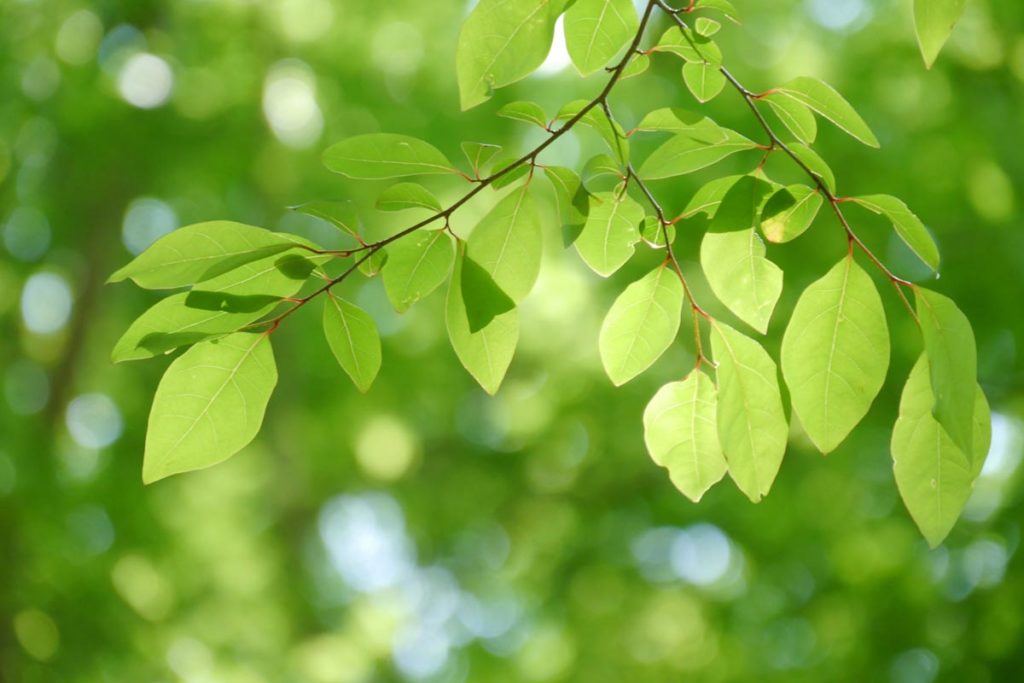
x,y
790,212
385,155
724,7
595,119
690,46
602,165
835,353
934,21
572,199
528,112
733,256
341,215
374,264
417,265
501,42
675,120
952,361
653,233
610,233
354,340
512,176
752,426
795,116
705,81
933,474
407,196
201,251
682,154
637,65
709,197
226,303
209,404
822,98
597,30
681,433
507,243
641,324
486,353
478,154
707,27
908,226
817,165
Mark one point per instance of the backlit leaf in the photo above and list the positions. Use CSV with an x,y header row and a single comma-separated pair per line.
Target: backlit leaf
x,y
934,21
705,81
823,98
682,154
407,196
417,265
789,212
908,226
354,340
385,155
610,233
597,30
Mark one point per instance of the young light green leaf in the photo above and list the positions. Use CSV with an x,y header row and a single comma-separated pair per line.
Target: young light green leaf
x,y
789,212
817,165
341,215
572,199
528,112
407,196
637,65
676,120
682,154
354,340
733,256
385,155
507,244
704,80
934,21
823,98
602,165
595,119
641,324
611,232
690,46
724,7
209,404
751,423
835,353
416,266
478,154
908,226
652,232
795,116
952,361
681,433
596,30
933,474
486,353
225,304
374,263
517,171
709,197
201,251
707,27
501,42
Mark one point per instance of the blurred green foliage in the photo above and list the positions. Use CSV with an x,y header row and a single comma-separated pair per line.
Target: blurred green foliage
x,y
426,532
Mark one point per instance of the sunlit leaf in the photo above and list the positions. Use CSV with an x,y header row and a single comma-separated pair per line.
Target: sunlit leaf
x,y
823,99
354,340
835,353
385,155
597,30
789,212
610,233
507,242
752,426
689,45
641,324
682,154
908,226
934,21
704,81
528,112
416,266
479,153
209,404
795,115
816,164
681,433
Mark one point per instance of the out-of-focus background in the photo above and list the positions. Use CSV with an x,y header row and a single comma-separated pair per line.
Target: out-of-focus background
x,y
426,532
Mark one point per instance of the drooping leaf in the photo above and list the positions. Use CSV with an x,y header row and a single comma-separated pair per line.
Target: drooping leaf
x,y
823,98
795,115
752,426
908,226
733,256
704,80
416,266
209,404
610,233
528,112
506,244
681,433
835,353
816,164
789,212
341,215
675,120
501,42
572,199
201,251
690,46
641,324
385,155
224,304
486,353
354,340
933,474
597,30
934,21
952,361
595,119
682,154
403,196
